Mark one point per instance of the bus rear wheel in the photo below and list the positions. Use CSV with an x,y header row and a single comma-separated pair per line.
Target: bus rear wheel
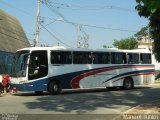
x,y
54,88
128,83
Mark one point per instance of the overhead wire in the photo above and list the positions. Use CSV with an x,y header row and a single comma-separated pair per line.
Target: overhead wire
x,y
51,7
100,27
24,12
55,36
48,4
20,10
78,7
62,36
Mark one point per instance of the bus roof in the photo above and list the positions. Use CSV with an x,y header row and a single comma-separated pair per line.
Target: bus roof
x,y
62,48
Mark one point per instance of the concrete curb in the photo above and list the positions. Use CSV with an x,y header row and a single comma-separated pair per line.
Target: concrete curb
x,y
141,109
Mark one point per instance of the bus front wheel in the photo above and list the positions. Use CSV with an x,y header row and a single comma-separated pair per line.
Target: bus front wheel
x,y
54,88
128,83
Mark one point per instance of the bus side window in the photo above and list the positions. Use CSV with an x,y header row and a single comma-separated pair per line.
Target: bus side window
x,y
88,57
130,58
113,58
77,58
150,59
141,59
133,58
124,58
61,57
118,58
101,58
80,57
145,58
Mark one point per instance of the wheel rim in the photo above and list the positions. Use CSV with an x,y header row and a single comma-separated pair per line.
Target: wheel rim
x,y
128,84
55,87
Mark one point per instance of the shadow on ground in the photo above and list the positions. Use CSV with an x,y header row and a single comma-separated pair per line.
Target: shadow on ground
x,y
83,101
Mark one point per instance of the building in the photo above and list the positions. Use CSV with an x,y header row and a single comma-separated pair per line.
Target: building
x,y
146,42
12,37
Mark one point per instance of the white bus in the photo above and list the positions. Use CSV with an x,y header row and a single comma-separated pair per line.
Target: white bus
x,y
55,68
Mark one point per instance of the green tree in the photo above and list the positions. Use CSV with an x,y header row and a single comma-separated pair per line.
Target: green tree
x,y
151,10
127,43
143,32
106,46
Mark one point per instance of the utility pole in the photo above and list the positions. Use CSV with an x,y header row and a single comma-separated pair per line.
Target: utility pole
x,y
78,37
86,37
82,42
36,43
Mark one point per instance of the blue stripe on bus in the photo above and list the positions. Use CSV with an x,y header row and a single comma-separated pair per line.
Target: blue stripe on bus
x,y
130,74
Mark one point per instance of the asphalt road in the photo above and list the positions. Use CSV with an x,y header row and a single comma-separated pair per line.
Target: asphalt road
x,y
97,104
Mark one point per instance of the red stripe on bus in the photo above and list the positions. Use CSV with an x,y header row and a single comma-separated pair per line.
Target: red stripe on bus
x,y
75,80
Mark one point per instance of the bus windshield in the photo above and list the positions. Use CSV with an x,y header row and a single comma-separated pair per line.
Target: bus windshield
x,y
19,65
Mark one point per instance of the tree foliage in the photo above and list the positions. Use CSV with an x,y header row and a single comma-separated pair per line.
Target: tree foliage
x,y
147,6
143,32
151,10
106,46
127,43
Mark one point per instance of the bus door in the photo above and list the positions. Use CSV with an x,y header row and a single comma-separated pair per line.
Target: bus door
x,y
38,65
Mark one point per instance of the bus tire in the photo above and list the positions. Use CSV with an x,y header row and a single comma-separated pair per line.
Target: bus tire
x,y
39,92
54,88
128,83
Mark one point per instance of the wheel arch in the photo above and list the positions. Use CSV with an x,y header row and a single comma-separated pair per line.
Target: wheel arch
x,y
129,77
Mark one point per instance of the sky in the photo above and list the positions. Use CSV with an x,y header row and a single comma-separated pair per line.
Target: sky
x,y
102,20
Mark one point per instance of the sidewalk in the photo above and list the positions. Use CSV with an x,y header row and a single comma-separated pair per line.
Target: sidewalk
x,y
152,107
147,108
146,111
